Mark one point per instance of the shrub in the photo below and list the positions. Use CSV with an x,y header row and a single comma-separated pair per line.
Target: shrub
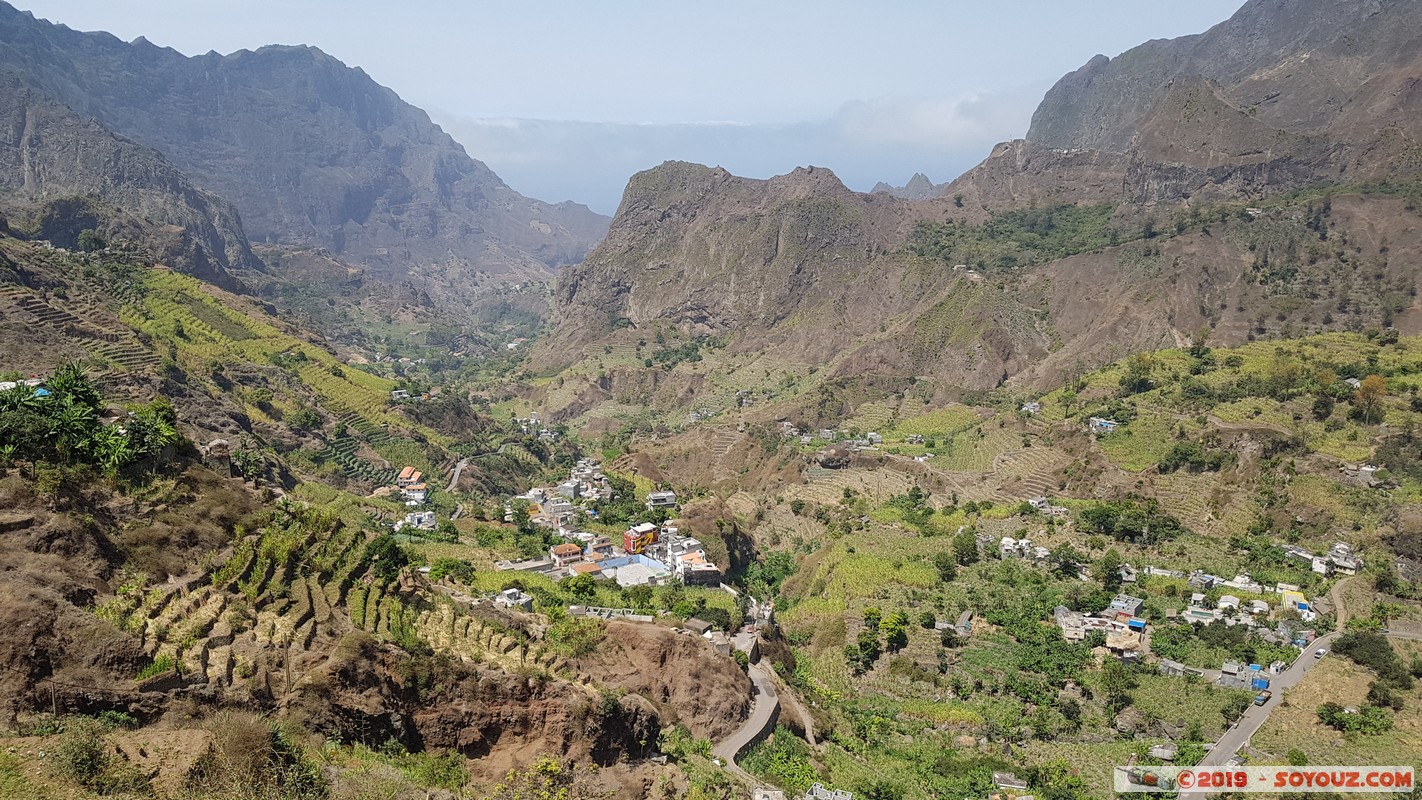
x,y
455,568
1192,457
784,760
161,665
82,753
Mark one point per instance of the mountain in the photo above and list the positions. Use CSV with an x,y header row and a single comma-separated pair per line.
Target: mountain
x,y
1281,96
51,154
1300,66
919,187
1163,209
312,152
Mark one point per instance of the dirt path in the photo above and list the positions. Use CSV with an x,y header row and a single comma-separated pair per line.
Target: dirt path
x,y
1340,609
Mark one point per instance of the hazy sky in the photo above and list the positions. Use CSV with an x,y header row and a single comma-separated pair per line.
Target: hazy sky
x,y
880,89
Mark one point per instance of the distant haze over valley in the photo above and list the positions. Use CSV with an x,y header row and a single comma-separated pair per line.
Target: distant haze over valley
x,y
864,143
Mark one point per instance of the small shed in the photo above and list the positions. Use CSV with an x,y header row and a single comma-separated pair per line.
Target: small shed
x,y
697,626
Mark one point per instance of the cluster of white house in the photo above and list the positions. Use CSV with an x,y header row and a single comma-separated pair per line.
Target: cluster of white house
x,y
1339,559
1121,622
1124,627
649,554
531,426
554,506
831,435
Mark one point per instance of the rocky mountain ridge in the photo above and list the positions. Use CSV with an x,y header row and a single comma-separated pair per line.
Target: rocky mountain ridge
x,y
919,187
799,270
312,152
1281,96
52,154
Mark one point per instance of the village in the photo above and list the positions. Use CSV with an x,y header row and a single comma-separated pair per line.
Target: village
x,y
648,553
1126,626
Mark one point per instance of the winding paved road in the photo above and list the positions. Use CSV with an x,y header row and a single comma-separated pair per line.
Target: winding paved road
x,y
765,709
454,477
1255,716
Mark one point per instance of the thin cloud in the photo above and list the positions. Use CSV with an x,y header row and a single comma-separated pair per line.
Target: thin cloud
x,y
863,142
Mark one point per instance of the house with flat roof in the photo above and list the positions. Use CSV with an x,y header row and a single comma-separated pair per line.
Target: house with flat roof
x,y
664,499
695,570
1102,425
1126,604
1171,668
639,537
514,598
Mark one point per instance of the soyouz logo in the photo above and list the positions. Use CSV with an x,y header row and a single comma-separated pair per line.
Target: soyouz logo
x,y
1263,779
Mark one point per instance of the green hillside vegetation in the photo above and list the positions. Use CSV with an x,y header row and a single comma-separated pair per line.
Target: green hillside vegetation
x,y
1222,456
1023,237
61,426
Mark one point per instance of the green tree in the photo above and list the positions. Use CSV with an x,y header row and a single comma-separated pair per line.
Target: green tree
x,y
385,557
896,631
872,617
1116,685
1368,399
869,647
458,569
90,241
638,597
1136,377
580,587
1108,570
965,546
947,565
1322,406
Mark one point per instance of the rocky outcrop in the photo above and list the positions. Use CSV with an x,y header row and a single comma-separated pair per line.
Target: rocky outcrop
x,y
1297,65
1282,95
919,187
50,153
710,253
312,152
677,672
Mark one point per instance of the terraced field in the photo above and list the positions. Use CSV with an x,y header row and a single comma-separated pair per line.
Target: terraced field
x,y
342,452
827,486
114,347
976,450
203,328
281,599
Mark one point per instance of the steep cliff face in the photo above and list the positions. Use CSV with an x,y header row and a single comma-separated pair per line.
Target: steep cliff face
x,y
1281,95
311,151
709,253
1298,65
47,152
